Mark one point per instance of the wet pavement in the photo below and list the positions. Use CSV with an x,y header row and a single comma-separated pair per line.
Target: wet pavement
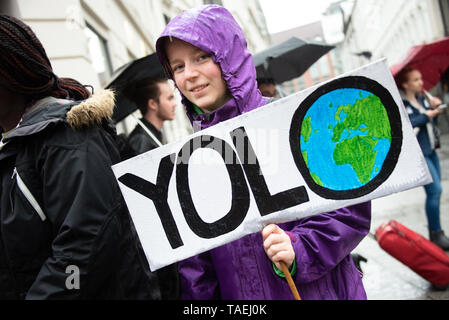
x,y
385,278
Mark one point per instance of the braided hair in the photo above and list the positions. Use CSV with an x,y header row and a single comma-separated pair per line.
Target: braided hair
x,y
25,67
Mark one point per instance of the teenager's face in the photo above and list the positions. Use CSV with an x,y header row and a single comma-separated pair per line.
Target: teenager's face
x,y
415,82
196,75
167,102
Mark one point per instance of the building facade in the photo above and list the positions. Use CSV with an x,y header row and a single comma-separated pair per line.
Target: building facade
x,y
444,5
385,28
88,39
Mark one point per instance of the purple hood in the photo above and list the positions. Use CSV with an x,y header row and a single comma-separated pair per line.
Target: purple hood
x,y
214,30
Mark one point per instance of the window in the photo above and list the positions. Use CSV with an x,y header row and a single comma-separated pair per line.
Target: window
x,y
213,2
9,7
324,66
444,5
314,72
99,54
301,83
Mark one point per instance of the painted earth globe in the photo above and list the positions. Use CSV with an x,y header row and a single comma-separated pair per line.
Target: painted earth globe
x,y
345,138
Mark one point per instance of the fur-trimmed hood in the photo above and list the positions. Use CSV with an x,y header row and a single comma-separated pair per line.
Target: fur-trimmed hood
x,y
77,114
92,111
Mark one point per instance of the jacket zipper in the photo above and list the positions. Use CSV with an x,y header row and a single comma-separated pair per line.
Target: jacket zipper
x,y
28,195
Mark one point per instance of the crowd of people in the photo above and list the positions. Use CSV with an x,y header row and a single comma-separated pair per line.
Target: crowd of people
x,y
61,208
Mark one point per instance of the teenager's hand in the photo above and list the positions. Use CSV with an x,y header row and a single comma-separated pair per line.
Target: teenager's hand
x,y
277,245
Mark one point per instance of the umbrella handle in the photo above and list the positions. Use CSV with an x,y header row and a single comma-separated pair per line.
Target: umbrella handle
x,y
428,95
291,284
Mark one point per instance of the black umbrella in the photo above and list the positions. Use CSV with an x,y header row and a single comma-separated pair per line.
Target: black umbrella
x,y
146,67
289,59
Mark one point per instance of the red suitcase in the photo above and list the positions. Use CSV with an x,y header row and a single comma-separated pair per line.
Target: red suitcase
x,y
415,251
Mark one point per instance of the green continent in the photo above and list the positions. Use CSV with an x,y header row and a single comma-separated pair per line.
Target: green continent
x,y
368,115
358,153
316,179
341,109
306,128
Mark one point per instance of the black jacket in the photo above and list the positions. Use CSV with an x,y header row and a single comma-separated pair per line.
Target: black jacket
x,y
65,232
140,141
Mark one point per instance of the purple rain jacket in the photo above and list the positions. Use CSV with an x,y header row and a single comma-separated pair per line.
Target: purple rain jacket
x,y
241,270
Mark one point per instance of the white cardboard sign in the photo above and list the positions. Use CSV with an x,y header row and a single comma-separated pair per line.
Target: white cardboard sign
x,y
340,143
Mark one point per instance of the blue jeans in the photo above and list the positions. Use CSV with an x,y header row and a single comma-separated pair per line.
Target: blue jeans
x,y
433,192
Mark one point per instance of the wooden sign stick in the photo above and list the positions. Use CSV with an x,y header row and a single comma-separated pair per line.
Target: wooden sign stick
x,y
291,284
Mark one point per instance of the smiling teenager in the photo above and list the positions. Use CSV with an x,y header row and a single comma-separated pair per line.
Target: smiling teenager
x,y
197,76
205,52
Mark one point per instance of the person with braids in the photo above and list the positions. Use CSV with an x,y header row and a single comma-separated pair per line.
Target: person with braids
x,y
65,232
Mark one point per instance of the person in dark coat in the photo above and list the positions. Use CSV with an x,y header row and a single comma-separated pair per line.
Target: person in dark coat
x,y
65,231
423,114
156,101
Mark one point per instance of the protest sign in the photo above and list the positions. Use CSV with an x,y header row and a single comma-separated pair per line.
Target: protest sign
x,y
340,143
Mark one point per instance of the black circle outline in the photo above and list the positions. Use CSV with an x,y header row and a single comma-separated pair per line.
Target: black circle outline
x,y
353,82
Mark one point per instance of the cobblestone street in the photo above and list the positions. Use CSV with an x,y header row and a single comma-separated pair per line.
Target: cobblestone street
x,y
385,278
